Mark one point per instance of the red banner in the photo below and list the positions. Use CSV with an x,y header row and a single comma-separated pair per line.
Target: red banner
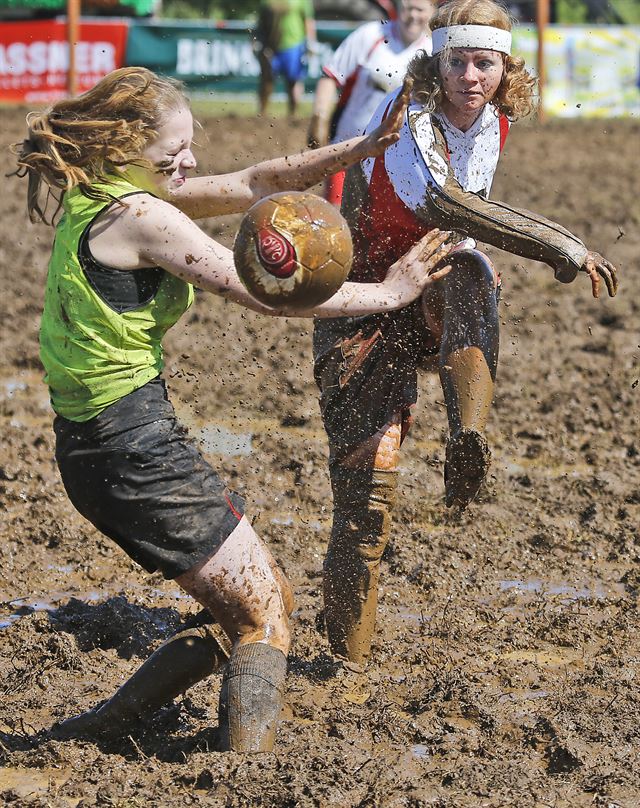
x,y
34,57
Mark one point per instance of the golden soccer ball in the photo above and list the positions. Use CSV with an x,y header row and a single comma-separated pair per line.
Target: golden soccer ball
x,y
293,249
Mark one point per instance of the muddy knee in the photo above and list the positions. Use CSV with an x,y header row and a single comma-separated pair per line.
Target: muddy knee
x,y
477,269
241,586
470,315
202,641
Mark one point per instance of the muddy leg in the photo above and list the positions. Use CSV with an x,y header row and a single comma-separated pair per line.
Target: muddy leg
x,y
364,491
464,310
294,96
243,588
265,88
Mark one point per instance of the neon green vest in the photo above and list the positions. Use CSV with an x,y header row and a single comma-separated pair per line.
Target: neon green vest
x,y
92,355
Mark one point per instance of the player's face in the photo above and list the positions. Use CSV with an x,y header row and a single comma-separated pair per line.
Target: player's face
x,y
414,16
470,78
170,154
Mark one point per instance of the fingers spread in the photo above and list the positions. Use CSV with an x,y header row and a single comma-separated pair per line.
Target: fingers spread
x,y
434,259
434,250
590,269
610,276
425,243
436,274
599,269
405,93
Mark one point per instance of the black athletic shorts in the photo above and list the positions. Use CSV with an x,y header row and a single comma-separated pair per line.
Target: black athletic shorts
x,y
367,370
134,473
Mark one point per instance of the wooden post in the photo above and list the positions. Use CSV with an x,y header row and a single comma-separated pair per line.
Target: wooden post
x,y
542,20
73,32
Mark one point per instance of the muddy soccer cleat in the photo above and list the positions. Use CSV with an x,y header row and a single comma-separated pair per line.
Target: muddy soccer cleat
x,y
466,465
189,656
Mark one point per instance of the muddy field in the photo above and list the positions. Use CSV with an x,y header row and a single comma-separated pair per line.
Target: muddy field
x,y
505,670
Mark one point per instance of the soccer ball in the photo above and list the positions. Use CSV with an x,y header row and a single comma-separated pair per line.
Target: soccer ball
x,y
293,249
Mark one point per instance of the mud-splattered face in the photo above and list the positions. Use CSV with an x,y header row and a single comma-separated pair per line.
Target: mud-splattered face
x,y
170,153
470,78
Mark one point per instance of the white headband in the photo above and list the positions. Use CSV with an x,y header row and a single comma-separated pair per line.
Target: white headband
x,y
471,36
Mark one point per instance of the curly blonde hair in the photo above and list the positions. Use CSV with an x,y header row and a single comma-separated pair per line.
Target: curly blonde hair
x,y
79,141
514,97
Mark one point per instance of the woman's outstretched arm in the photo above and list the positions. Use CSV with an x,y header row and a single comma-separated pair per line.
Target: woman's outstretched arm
x,y
152,232
202,197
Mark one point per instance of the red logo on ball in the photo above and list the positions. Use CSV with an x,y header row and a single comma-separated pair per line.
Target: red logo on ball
x,y
277,255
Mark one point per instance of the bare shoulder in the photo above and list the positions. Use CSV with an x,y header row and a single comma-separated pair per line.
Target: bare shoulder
x,y
120,236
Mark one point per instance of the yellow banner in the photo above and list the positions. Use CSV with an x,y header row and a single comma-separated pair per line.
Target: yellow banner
x,y
591,71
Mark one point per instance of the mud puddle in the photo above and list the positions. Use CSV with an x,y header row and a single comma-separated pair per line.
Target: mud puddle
x,y
30,784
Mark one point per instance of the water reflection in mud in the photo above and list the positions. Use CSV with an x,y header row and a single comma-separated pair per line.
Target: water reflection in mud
x,y
16,608
217,439
36,784
592,590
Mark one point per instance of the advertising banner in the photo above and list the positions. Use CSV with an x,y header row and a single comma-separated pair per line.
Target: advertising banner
x,y
220,57
591,71
34,57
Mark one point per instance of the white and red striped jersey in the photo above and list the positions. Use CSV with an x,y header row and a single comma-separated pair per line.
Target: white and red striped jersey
x,y
393,217
367,65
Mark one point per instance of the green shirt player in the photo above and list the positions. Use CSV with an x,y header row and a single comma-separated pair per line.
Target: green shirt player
x,y
285,32
126,257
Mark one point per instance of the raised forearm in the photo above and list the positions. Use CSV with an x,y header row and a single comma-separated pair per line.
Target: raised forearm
x,y
517,231
301,171
217,195
352,300
359,299
212,269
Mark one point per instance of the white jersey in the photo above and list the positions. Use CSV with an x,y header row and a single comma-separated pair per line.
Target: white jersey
x,y
394,214
367,65
473,155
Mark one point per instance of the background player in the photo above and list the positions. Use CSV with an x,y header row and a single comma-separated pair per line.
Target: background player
x,y
284,33
367,65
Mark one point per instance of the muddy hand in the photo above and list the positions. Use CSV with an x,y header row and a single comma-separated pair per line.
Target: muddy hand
x,y
598,268
419,267
389,130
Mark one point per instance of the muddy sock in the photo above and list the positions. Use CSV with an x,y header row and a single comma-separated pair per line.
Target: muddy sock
x,y
251,698
363,501
184,659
